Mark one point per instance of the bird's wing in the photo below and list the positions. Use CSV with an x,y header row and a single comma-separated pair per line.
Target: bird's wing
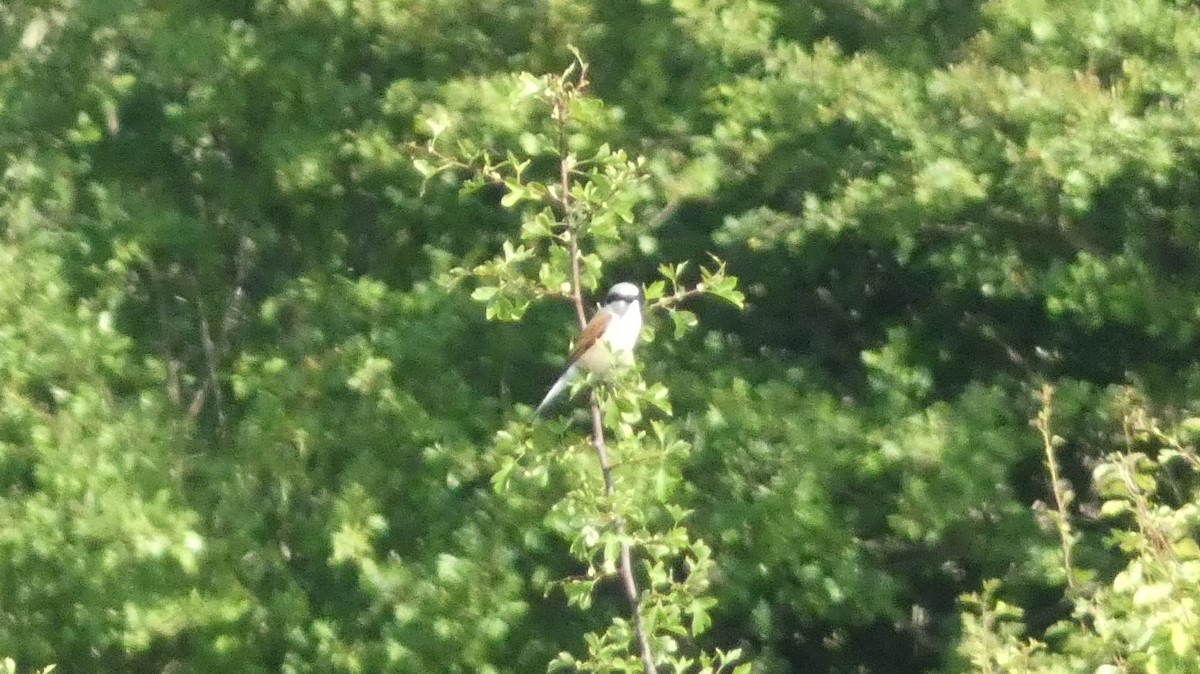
x,y
590,335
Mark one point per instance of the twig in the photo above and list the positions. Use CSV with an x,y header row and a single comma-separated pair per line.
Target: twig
x,y
677,297
489,172
562,114
628,581
1145,516
212,357
1133,418
989,333
174,386
1064,526
665,213
215,348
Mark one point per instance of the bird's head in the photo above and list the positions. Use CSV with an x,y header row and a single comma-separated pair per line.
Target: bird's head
x,y
622,296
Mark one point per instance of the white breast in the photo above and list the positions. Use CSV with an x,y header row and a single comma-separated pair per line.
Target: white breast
x,y
617,343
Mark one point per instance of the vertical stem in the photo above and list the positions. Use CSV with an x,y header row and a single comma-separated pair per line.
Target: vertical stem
x,y
628,581
562,114
564,174
576,292
211,358
1060,499
987,620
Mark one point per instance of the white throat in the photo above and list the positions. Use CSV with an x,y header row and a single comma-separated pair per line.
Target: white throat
x,y
624,330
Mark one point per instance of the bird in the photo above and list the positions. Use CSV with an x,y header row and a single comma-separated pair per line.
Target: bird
x,y
607,340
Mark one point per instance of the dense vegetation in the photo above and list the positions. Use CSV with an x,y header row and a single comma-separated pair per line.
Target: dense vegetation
x,y
254,415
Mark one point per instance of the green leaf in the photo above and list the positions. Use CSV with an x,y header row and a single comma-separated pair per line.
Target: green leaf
x,y
484,293
700,617
423,167
684,321
655,291
725,287
1152,593
500,478
1114,508
612,553
515,193
659,396
1183,640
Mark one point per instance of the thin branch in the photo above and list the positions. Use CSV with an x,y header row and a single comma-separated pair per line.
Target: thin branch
x,y
197,404
677,297
216,348
665,213
1060,499
489,171
212,357
1133,418
989,333
158,289
576,291
1145,516
562,114
858,9
628,580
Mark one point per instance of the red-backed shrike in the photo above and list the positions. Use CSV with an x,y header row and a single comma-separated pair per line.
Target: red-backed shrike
x,y
607,340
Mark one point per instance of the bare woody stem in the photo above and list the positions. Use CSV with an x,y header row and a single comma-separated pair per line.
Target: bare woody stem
x,y
677,297
628,581
562,112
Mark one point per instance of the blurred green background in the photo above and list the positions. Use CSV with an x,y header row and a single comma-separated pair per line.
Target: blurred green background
x,y
244,428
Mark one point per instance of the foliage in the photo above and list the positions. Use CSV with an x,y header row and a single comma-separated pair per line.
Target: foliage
x,y
8,666
1143,618
632,509
249,423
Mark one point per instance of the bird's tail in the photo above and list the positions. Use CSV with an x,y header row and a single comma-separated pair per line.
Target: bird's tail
x,y
556,390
